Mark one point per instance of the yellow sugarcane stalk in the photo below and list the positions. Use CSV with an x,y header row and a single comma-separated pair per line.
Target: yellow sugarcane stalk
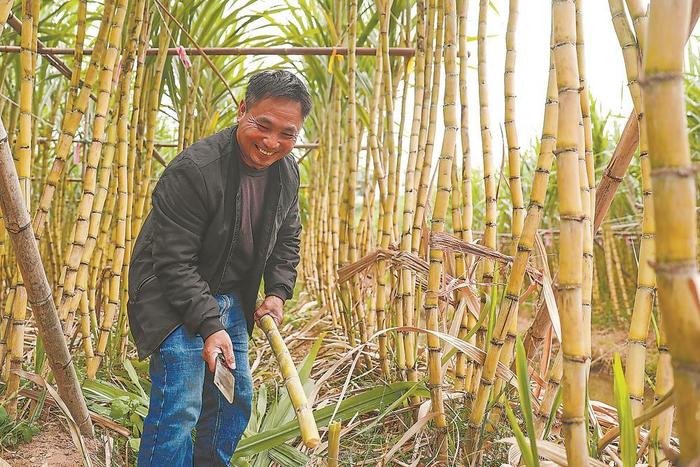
x,y
5,9
305,417
646,278
333,444
587,180
674,194
508,310
662,424
70,299
553,381
490,224
571,236
23,164
438,225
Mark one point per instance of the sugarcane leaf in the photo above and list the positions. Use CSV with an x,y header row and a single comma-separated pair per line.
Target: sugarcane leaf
x,y
520,437
628,444
288,456
553,413
372,399
134,377
524,395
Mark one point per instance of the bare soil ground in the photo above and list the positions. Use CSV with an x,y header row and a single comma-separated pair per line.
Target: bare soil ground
x,y
52,446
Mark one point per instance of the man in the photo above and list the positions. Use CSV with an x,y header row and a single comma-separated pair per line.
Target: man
x,y
225,216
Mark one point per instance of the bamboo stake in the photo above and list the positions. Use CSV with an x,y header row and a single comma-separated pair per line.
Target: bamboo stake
x,y
305,417
234,51
19,227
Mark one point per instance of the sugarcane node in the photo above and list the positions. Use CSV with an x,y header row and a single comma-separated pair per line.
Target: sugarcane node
x,y
573,420
576,358
659,78
678,268
686,366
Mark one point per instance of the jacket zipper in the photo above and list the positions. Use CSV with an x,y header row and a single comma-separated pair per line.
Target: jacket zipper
x,y
234,239
143,283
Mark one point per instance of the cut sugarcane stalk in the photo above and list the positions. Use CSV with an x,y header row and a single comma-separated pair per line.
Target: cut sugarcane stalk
x,y
307,424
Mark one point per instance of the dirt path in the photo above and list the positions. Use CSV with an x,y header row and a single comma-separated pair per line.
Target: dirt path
x,y
52,446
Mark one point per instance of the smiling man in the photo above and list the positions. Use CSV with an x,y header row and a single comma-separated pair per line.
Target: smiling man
x,y
225,217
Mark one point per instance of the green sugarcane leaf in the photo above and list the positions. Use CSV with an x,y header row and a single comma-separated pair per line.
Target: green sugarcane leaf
x,y
628,443
134,378
288,456
520,438
373,399
552,413
524,395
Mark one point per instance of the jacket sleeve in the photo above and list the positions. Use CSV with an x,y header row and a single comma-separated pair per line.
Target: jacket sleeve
x,y
280,269
181,217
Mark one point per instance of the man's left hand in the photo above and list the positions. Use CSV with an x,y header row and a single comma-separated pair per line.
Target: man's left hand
x,y
272,306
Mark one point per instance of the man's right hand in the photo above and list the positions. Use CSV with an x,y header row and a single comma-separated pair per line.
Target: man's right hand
x,y
215,344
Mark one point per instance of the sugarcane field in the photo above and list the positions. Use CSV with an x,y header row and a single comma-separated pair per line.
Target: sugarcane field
x,y
349,233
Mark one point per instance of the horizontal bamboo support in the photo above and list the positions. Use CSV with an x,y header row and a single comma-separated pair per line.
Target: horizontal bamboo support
x,y
232,51
162,144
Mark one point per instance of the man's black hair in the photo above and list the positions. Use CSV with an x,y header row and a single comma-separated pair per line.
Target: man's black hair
x,y
277,83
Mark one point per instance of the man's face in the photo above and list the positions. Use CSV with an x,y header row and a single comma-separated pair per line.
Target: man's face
x,y
268,130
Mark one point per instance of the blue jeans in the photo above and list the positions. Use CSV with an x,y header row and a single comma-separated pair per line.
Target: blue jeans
x,y
183,397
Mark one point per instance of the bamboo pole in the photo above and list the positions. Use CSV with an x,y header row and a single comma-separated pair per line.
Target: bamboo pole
x,y
234,51
19,226
674,194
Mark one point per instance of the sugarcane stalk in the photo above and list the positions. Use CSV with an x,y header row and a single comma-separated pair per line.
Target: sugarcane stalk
x,y
407,283
449,10
571,236
305,417
18,224
333,444
674,195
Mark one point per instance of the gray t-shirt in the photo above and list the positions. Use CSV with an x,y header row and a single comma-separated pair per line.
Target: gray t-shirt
x,y
252,192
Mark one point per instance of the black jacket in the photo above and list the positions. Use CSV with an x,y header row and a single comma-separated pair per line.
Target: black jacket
x,y
181,253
